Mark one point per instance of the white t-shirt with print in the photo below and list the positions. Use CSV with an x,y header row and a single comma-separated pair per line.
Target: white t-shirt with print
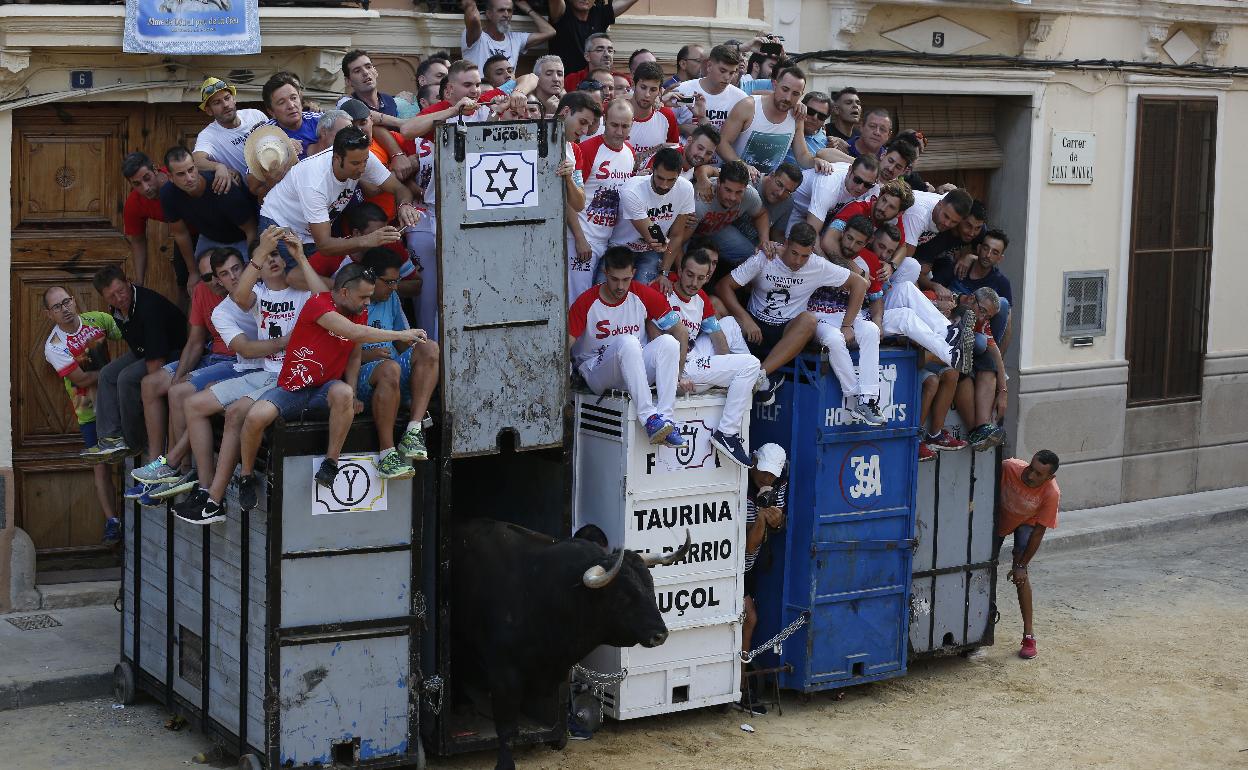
x,y
777,293
638,200
512,45
717,105
310,193
225,145
275,312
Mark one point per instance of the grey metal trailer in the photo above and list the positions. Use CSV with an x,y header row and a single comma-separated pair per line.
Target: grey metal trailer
x,y
290,635
953,606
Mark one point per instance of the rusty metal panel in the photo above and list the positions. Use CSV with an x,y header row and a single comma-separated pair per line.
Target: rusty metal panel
x,y
503,303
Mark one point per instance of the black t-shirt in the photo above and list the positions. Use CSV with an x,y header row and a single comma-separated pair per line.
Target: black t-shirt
x,y
217,216
834,131
939,250
156,327
994,280
571,34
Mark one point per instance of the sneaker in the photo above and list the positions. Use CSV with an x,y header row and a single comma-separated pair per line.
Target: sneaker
x,y
112,531
147,501
868,411
762,383
157,471
996,437
393,466
412,446
136,491
945,442
111,449
248,491
732,448
768,397
190,505
206,513
674,439
184,483
953,333
326,474
1028,650
980,437
657,428
955,358
93,454
925,453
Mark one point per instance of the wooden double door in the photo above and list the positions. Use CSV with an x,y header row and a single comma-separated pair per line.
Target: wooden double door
x,y
66,196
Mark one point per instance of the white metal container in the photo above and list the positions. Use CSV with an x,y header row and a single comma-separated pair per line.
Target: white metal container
x,y
645,498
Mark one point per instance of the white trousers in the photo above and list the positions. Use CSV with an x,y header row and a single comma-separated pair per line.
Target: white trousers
x,y
909,295
903,320
626,365
908,272
867,381
581,274
735,371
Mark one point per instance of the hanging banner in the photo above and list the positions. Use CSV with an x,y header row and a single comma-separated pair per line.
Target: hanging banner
x,y
192,27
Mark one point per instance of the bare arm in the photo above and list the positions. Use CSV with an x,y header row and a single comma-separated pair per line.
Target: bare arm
x,y
545,31
338,324
352,375
223,175
877,312
857,288
620,6
739,119
257,348
83,379
472,23
138,253
719,341
676,243
182,237
315,283
423,124
557,9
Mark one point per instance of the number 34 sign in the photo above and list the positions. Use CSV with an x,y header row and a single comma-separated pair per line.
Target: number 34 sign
x,y
357,487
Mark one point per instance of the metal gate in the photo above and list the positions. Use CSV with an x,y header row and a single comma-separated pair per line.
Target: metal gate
x,y
503,294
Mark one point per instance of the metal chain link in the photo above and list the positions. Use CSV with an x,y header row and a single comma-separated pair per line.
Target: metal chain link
x,y
777,640
433,693
599,683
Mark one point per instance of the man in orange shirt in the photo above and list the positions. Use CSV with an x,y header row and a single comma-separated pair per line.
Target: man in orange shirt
x,y
1027,506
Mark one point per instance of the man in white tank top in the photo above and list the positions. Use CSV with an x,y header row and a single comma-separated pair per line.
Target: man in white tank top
x,y
761,130
709,99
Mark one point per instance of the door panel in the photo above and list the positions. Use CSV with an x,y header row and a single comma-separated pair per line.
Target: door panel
x,y
67,200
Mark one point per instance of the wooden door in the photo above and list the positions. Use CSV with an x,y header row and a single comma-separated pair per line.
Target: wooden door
x,y
67,196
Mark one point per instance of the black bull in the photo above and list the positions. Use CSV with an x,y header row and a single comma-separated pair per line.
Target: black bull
x,y
526,607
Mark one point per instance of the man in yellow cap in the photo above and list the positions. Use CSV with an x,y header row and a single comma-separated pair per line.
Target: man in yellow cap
x,y
219,147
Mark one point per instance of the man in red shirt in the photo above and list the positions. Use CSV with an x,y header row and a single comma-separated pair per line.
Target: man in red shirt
x,y
142,205
1026,507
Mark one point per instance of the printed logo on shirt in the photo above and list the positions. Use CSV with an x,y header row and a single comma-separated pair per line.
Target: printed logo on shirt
x,y
605,329
666,211
301,366
605,172
604,208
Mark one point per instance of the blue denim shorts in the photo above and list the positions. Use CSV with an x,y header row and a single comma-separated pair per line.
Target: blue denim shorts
x,y
304,404
364,391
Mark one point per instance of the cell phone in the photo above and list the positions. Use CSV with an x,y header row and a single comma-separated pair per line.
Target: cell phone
x,y
656,233
685,99
771,49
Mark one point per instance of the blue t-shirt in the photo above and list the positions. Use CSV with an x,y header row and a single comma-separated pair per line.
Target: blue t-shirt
x,y
305,134
995,280
815,142
386,315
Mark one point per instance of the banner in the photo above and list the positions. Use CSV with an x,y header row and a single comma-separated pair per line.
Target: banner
x,y
192,27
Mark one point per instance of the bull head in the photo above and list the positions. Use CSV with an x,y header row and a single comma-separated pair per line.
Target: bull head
x,y
597,577
671,558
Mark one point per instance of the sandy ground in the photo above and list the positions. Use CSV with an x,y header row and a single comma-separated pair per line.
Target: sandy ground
x,y
1140,667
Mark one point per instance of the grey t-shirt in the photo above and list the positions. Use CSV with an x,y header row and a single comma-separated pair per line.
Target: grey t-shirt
x,y
777,212
710,217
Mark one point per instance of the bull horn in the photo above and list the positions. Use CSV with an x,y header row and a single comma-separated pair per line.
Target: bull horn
x,y
597,577
671,558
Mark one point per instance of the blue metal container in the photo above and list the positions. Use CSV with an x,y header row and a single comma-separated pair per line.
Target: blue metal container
x,y
843,559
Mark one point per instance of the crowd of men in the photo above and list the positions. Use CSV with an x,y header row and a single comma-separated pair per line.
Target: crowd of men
x,y
720,219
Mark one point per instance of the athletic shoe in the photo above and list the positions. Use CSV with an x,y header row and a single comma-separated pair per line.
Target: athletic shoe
x,y
1028,650
326,474
980,437
93,454
674,439
966,341
111,450
925,453
147,501
996,437
953,333
955,358
157,471
248,491
412,446
393,466
184,483
732,448
657,428
869,411
768,397
207,513
762,383
112,531
945,442
191,505
136,491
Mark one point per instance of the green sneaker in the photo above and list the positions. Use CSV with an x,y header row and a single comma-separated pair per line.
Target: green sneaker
x,y
393,466
412,445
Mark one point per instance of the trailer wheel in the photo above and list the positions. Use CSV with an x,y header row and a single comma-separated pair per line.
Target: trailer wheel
x,y
123,683
249,762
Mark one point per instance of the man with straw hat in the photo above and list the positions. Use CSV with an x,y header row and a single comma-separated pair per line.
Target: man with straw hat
x,y
219,147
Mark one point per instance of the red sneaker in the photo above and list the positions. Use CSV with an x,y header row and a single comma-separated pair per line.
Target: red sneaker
x,y
925,452
946,442
1028,650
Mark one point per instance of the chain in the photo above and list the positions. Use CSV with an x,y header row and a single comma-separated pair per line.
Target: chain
x,y
433,689
599,683
776,641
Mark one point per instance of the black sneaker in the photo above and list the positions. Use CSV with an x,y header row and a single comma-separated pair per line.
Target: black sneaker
x,y
326,474
192,504
248,491
207,513
732,448
767,397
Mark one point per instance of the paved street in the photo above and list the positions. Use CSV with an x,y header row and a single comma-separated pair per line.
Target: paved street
x,y
1139,667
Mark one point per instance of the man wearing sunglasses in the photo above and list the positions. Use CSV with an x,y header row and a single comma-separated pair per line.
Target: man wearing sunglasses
x,y
818,109
77,348
829,193
312,196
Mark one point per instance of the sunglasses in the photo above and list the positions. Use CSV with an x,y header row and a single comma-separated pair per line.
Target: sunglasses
x,y
217,87
859,180
391,282
589,85
817,115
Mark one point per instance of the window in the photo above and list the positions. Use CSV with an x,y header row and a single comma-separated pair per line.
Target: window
x,y
1171,235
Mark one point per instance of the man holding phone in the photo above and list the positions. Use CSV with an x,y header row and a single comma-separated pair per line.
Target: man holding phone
x,y
654,216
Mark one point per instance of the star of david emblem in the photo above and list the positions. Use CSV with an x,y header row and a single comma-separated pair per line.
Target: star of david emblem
x,y
496,175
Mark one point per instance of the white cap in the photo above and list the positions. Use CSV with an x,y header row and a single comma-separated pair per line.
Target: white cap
x,y
770,458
